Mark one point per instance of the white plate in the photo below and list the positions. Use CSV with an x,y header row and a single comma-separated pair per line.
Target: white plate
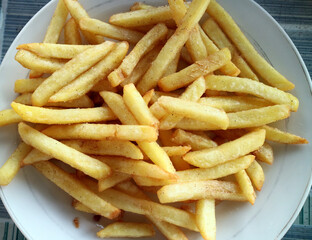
x,y
42,211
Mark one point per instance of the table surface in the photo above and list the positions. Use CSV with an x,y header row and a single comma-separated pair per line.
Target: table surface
x,y
295,16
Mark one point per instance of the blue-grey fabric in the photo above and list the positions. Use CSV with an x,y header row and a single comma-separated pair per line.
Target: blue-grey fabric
x,y
295,16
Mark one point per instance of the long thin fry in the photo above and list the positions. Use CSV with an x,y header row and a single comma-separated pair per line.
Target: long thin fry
x,y
9,116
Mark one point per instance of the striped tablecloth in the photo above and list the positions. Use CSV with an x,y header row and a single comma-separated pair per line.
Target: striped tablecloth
x,y
295,16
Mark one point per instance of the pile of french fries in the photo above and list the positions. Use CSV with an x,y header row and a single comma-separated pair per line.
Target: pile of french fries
x,y
184,114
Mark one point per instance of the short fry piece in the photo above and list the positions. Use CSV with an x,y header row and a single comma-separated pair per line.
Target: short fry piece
x,y
206,218
256,174
9,116
127,229
176,150
246,185
265,153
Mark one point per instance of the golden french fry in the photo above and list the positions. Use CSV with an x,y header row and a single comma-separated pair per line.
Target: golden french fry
x,y
27,85
62,116
148,96
11,167
227,151
71,70
206,218
265,153
246,186
43,65
245,70
146,43
53,50
127,229
70,184
235,103
195,110
9,116
112,180
256,174
35,156
213,189
98,27
172,46
194,71
263,68
71,33
245,85
176,150
82,208
102,132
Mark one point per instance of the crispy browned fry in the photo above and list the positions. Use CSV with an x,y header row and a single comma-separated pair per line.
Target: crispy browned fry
x,y
71,32
54,148
9,116
102,132
263,68
70,184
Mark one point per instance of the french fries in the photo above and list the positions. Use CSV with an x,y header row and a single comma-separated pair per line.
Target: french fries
x,y
188,124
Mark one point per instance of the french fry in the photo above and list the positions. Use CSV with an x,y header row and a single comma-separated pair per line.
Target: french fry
x,y
195,111
173,46
53,50
82,208
127,229
35,156
71,70
213,189
265,153
227,151
243,119
139,6
102,132
256,174
263,68
54,148
146,43
246,185
43,65
245,70
176,150
11,167
71,33
235,103
76,189
245,85
194,71
62,116
206,218
148,96
98,27
112,180
9,116
106,147
27,85
103,85
83,83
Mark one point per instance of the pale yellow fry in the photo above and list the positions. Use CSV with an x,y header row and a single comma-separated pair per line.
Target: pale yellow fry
x,y
227,151
112,180
263,68
142,17
234,103
173,46
213,189
43,65
200,174
265,153
11,167
127,229
56,24
135,167
35,156
106,147
69,72
277,135
82,102
9,116
206,218
102,132
243,119
58,150
137,106
246,186
196,142
176,150
53,50
62,116
194,71
83,83
70,184
78,12
27,85
71,33
195,110
146,44
245,85
148,96
245,70
107,30
256,174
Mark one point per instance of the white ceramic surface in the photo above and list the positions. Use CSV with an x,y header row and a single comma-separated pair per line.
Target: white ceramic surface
x,y
42,211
